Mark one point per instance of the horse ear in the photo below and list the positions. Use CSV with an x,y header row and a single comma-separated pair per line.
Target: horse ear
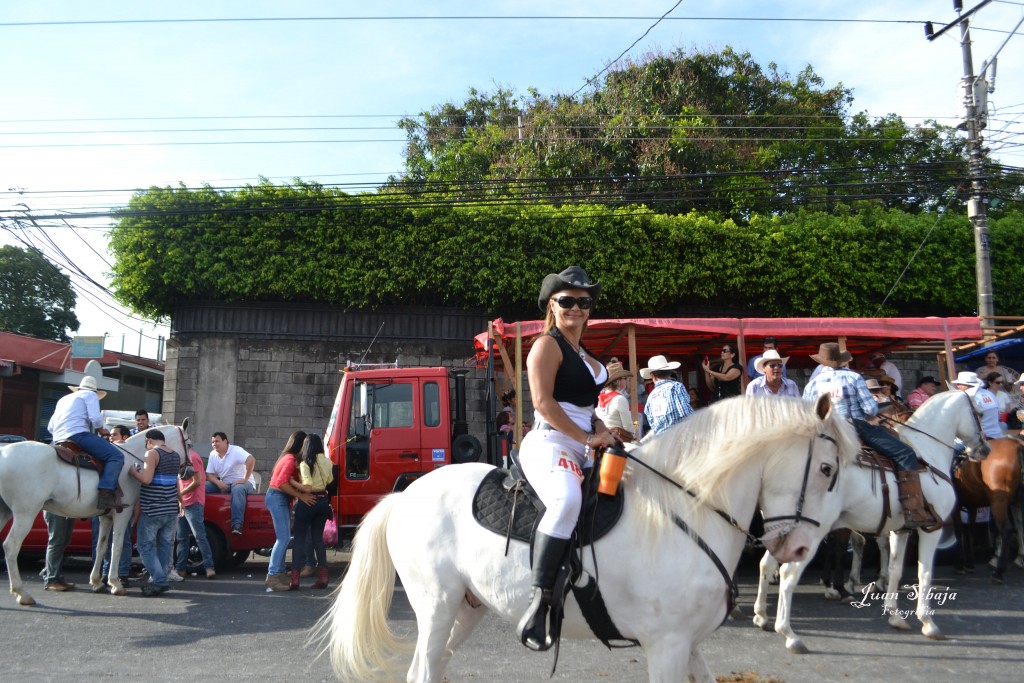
x,y
184,425
823,407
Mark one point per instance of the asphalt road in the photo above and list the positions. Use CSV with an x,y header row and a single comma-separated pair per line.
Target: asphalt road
x,y
230,629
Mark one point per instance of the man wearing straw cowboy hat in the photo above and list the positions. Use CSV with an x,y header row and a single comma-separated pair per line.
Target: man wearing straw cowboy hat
x,y
669,402
74,419
852,398
770,380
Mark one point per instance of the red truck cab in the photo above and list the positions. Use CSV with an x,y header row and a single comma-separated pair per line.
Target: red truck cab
x,y
229,550
390,426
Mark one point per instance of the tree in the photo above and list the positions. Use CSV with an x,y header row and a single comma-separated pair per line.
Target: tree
x,y
684,131
36,298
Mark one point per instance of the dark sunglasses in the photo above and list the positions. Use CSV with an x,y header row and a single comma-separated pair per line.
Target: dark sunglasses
x,y
773,365
584,302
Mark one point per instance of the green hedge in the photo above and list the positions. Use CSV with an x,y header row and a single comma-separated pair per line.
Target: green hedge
x,y
308,243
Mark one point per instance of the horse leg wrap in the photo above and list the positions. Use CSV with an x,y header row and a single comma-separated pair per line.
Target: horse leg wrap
x,y
914,512
548,553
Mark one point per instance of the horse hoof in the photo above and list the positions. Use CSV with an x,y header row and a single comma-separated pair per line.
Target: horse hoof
x,y
26,600
832,594
761,623
1019,562
899,623
934,635
797,647
994,562
97,587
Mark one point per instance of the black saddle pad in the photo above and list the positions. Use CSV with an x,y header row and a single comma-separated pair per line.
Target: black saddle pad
x,y
500,496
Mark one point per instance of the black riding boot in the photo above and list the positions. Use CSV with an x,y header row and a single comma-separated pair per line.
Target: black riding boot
x,y
548,553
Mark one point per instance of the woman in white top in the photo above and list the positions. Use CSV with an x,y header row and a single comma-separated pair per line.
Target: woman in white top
x,y
996,383
612,404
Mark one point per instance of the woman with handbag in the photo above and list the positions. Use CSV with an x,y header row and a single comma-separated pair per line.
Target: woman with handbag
x,y
315,473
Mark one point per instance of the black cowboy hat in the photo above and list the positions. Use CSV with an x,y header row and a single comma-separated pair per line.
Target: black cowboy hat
x,y
572,277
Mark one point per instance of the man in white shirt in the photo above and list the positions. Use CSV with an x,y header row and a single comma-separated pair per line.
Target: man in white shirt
x,y
74,418
229,470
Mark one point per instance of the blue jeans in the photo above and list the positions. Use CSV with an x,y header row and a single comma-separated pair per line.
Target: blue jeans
x,y
124,567
278,505
886,443
156,535
309,524
96,445
239,492
58,531
192,521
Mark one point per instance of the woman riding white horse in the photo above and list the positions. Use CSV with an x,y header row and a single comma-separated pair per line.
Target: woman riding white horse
x,y
662,586
565,382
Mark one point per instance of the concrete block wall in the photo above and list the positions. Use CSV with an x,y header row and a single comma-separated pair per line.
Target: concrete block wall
x,y
260,391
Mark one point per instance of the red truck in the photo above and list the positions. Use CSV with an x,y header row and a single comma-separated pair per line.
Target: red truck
x,y
229,550
390,426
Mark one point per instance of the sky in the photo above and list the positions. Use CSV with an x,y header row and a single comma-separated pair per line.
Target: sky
x,y
99,105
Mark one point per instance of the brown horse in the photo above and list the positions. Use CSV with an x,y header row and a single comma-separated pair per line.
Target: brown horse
x,y
992,482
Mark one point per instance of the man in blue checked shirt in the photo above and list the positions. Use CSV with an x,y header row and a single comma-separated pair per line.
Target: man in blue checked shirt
x,y
669,402
852,398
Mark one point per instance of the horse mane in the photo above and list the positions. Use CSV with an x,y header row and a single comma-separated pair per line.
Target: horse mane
x,y
703,451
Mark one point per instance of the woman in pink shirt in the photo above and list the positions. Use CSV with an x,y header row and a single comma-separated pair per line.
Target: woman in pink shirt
x,y
279,501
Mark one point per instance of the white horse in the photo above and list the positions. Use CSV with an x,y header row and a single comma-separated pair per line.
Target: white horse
x,y
930,431
33,478
659,587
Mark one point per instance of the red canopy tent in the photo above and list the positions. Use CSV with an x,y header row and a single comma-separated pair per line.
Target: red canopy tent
x,y
688,339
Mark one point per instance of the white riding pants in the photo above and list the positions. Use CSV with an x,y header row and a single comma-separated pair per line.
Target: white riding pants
x,y
553,463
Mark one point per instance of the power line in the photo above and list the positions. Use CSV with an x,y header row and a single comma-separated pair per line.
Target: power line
x,y
419,18
631,46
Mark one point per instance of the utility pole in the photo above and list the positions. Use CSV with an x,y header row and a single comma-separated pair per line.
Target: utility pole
x,y
974,90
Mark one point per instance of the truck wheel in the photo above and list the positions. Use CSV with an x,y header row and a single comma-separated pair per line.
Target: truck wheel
x,y
194,564
219,548
238,558
466,448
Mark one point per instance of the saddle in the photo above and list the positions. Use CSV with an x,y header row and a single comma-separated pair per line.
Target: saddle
x,y
870,458
506,504
71,453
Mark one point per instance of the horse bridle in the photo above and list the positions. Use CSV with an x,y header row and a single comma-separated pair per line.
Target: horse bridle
x,y
798,516
184,440
979,432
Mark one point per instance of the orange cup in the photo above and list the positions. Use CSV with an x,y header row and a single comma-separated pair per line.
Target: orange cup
x,y
612,467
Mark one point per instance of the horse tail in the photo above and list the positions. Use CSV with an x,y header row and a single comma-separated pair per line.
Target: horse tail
x,y
355,629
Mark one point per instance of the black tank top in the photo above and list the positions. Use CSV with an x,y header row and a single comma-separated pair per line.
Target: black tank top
x,y
573,382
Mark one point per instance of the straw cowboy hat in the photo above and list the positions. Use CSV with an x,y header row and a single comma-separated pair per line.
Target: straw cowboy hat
x,y
657,364
616,372
572,277
830,354
966,378
88,383
873,384
770,354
